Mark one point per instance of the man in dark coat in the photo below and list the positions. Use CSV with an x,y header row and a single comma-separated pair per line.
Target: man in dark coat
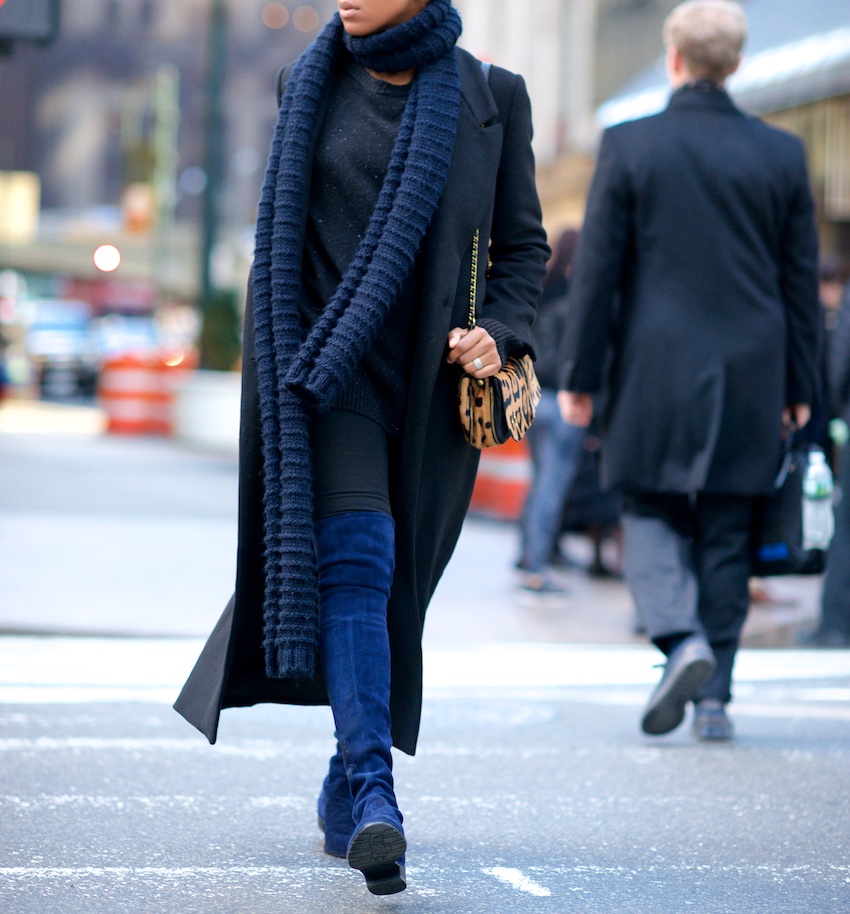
x,y
695,305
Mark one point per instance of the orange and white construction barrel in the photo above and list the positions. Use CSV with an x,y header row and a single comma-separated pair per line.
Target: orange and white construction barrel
x,y
172,366
127,391
503,480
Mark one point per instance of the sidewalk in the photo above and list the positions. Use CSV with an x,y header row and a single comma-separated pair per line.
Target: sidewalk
x,y
120,535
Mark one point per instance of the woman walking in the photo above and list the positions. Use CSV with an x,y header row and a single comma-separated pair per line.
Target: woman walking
x,y
395,154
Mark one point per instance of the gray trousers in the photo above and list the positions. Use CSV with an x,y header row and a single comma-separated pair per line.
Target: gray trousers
x,y
686,561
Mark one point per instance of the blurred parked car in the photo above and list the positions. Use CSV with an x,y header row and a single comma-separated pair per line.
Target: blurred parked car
x,y
121,334
60,347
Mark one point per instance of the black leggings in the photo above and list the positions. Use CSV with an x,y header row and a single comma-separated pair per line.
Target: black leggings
x,y
352,456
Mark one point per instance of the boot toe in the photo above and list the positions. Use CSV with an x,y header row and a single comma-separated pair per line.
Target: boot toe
x,y
336,844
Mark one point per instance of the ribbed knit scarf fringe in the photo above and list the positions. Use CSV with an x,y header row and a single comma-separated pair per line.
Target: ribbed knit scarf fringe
x,y
297,376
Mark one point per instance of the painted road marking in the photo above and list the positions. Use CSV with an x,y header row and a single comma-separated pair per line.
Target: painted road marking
x,y
258,750
517,880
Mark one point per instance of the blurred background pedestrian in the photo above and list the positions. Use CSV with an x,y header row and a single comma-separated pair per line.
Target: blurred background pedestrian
x,y
821,429
706,301
555,445
833,628
5,381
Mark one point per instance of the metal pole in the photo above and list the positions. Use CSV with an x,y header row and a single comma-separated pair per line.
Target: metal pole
x,y
166,98
214,138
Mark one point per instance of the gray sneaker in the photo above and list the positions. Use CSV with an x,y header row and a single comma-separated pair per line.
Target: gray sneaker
x,y
711,721
541,583
541,590
687,669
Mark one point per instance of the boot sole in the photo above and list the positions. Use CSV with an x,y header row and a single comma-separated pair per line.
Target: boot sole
x,y
667,710
376,851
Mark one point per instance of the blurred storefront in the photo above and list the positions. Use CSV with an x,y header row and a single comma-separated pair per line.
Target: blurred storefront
x,y
573,54
592,63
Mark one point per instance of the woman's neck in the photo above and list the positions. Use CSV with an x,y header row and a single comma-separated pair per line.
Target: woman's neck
x,y
397,79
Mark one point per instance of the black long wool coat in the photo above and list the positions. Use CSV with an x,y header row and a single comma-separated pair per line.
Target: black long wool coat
x,y
694,297
490,187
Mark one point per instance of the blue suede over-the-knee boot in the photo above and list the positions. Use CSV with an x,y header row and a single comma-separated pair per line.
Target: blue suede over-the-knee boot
x,y
335,807
355,554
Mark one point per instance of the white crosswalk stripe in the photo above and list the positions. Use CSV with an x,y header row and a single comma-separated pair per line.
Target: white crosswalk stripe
x,y
37,670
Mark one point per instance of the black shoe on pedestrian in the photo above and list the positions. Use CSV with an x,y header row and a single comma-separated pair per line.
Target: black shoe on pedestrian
x,y
602,571
824,637
711,721
688,667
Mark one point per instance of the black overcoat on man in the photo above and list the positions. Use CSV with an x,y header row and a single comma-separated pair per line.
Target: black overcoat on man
x,y
490,188
696,269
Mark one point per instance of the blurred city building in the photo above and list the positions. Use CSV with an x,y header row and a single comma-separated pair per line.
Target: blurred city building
x,y
146,123
113,119
574,54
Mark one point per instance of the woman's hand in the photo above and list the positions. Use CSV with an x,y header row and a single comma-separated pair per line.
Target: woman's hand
x,y
576,408
796,416
475,351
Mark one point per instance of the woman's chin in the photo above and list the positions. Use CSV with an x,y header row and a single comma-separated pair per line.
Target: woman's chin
x,y
352,21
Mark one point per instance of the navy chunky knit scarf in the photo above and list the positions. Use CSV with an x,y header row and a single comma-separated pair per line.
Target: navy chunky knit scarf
x,y
296,376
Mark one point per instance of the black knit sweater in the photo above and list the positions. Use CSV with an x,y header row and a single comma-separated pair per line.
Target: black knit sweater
x,y
353,150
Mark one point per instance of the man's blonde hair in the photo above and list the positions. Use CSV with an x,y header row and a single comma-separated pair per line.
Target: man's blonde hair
x,y
709,34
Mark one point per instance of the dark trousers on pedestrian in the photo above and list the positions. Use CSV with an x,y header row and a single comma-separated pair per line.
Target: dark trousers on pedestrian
x,y
686,561
556,450
835,597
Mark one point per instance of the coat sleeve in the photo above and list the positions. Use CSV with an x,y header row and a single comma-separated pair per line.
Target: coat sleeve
x,y
518,250
798,265
600,257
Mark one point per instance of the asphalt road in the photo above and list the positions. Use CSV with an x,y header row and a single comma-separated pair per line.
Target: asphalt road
x,y
533,789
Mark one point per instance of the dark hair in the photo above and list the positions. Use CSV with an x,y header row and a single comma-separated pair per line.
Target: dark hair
x,y
561,262
830,269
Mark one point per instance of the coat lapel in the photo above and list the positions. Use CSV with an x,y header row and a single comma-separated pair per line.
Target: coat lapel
x,y
472,175
466,206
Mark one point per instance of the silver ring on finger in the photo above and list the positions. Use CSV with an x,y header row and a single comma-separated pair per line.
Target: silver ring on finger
x,y
477,363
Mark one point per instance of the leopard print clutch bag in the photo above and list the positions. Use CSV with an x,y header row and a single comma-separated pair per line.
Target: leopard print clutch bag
x,y
502,406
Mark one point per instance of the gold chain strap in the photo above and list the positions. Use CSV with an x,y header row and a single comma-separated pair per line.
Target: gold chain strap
x,y
473,290
473,280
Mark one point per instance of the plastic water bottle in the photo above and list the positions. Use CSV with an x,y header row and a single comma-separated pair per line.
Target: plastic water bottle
x,y
818,518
